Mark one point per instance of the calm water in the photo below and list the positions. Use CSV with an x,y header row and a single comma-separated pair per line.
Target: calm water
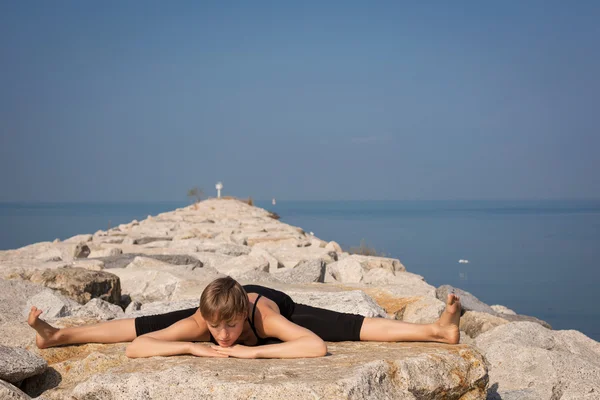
x,y
538,258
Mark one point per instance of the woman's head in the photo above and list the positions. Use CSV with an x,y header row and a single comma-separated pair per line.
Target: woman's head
x,y
224,307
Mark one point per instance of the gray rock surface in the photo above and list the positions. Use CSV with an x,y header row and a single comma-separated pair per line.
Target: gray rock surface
x,y
529,360
304,272
52,304
10,392
467,300
16,364
353,302
99,309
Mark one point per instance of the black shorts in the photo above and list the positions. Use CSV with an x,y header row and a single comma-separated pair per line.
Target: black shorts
x,y
331,326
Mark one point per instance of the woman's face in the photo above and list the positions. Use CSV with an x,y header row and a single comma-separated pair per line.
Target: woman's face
x,y
227,332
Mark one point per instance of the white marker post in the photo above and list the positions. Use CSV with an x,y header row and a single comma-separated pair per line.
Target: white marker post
x,y
219,186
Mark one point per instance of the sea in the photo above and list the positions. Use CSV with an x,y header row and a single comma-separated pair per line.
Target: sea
x,y
539,258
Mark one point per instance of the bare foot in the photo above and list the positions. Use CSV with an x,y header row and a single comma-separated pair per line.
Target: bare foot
x,y
449,321
47,336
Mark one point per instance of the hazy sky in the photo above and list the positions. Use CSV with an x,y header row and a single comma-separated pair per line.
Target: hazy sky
x,y
127,101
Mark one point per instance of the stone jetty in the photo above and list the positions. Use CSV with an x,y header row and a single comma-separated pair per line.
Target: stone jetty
x,y
164,262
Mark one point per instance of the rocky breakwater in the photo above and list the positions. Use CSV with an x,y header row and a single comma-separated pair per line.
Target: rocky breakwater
x,y
164,262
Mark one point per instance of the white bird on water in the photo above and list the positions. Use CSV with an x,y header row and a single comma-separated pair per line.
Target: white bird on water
x,y
461,261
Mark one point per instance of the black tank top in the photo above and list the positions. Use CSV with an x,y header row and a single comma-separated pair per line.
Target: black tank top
x,y
283,301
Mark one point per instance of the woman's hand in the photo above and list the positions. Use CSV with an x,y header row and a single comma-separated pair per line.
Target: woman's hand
x,y
201,350
237,351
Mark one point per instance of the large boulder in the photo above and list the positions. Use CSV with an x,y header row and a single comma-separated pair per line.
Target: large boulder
x,y
352,370
353,302
530,361
472,303
475,323
16,364
304,272
81,284
421,310
52,304
239,265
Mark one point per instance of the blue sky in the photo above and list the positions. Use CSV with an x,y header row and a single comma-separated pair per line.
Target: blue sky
x,y
129,101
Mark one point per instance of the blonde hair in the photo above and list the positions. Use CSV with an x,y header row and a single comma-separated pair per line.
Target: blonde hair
x,y
224,299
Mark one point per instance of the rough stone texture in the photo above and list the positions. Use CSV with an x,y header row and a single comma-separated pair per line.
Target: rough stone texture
x,y
353,370
304,272
475,323
274,263
81,284
239,265
348,270
114,251
503,310
333,246
161,307
371,262
421,310
472,303
17,364
79,239
10,392
467,300
354,302
291,255
121,261
52,304
531,361
100,309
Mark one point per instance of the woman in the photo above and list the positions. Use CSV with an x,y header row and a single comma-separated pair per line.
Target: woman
x,y
241,321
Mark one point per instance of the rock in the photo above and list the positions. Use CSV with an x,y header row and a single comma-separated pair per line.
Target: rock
x,y
163,307
348,270
17,364
333,246
81,284
525,318
228,249
475,323
503,310
92,265
121,261
133,307
422,310
531,361
79,239
372,262
52,304
467,300
290,255
353,370
304,272
353,302
113,251
241,264
274,263
64,251
376,276
99,309
10,392
472,303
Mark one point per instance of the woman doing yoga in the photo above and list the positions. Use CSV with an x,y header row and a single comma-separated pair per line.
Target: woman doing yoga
x,y
247,322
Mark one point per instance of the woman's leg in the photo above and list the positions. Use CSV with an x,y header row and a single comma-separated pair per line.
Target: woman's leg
x,y
121,330
116,331
445,329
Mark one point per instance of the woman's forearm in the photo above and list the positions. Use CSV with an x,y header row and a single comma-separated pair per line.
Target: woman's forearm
x,y
149,347
303,347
